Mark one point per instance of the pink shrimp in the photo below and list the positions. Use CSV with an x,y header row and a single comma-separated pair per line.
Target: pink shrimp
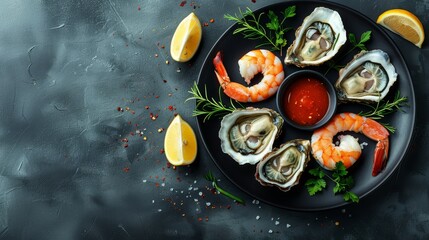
x,y
348,151
254,62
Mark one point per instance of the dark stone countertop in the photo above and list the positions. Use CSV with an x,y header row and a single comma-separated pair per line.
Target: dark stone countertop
x,y
74,167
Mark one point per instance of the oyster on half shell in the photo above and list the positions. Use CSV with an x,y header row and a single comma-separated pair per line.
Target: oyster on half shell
x,y
318,39
283,166
367,78
248,134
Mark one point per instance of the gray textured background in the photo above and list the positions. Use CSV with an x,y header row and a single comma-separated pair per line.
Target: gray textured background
x,y
66,171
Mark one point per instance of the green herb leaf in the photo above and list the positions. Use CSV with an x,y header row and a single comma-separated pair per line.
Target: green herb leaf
x,y
289,12
350,196
274,21
352,38
349,182
365,37
338,188
361,46
317,172
315,185
339,171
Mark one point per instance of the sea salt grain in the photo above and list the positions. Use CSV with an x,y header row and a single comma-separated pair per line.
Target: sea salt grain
x,y
258,217
270,231
362,145
288,225
277,223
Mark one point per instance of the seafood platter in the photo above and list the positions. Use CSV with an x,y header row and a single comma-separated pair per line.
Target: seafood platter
x,y
267,145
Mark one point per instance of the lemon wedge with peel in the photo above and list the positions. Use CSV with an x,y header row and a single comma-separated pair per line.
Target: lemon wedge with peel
x,y
403,23
180,142
186,39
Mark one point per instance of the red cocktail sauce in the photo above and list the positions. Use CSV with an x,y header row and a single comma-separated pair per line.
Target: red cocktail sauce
x,y
306,101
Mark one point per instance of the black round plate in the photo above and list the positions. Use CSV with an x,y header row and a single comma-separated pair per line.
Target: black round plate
x,y
235,46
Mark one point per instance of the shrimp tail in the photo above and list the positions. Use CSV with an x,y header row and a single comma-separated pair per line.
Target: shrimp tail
x,y
380,156
379,133
231,89
220,71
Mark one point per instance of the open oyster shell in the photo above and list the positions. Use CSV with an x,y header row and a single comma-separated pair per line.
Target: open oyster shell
x,y
248,134
367,78
284,166
318,39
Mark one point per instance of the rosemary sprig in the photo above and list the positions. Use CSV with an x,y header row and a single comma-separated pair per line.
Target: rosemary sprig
x,y
209,177
251,28
208,106
389,127
384,108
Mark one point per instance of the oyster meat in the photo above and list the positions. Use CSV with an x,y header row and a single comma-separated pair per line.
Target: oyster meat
x,y
248,134
367,78
318,39
283,166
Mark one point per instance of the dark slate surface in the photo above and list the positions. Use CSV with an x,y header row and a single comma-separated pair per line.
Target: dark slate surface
x,y
74,167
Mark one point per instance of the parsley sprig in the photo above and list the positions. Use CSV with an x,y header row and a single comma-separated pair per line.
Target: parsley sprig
x,y
272,34
208,106
384,108
209,177
365,37
343,183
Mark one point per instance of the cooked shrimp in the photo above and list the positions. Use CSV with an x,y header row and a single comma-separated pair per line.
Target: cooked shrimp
x,y
254,62
348,151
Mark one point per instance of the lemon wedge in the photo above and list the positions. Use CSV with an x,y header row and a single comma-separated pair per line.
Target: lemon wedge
x,y
403,23
186,39
180,142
